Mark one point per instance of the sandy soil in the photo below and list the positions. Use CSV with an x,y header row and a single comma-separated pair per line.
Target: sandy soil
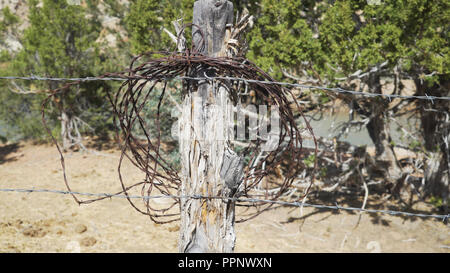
x,y
46,222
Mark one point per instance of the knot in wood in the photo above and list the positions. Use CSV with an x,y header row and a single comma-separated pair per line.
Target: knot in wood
x,y
232,169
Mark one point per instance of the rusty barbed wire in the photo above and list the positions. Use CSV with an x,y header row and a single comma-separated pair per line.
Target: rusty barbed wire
x,y
183,78
151,71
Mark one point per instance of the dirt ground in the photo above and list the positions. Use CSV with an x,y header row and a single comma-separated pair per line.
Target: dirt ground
x,y
47,222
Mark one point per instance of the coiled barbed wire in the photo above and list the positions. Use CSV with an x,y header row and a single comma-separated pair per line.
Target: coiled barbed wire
x,y
150,71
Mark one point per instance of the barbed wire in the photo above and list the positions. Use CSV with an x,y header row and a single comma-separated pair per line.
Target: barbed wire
x,y
331,89
175,67
85,79
235,199
147,78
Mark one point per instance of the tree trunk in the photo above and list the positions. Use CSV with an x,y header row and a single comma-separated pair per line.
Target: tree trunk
x,y
435,128
209,167
65,130
378,128
64,117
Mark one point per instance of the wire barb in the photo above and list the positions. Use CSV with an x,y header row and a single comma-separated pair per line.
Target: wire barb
x,y
140,138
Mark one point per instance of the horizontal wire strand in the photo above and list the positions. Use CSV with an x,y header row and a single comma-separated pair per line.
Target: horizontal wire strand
x,y
332,89
235,199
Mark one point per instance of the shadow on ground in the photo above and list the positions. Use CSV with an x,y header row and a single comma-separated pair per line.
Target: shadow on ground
x,y
374,202
100,143
7,150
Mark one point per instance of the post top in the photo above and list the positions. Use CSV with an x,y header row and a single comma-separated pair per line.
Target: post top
x,y
213,17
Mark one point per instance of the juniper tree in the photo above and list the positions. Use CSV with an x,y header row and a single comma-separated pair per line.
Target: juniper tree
x,y
59,42
282,39
427,62
336,42
147,18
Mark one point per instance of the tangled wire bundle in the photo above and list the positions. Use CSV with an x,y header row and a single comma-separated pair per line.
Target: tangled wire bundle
x,y
151,71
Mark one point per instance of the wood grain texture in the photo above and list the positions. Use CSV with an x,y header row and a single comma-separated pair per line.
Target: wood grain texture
x,y
209,165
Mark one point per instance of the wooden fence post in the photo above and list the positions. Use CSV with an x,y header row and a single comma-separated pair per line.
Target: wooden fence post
x,y
209,167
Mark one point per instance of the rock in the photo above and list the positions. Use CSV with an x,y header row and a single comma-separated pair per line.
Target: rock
x,y
88,241
13,249
80,228
34,232
17,223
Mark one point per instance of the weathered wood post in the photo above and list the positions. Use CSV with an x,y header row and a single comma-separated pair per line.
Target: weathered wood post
x,y
209,167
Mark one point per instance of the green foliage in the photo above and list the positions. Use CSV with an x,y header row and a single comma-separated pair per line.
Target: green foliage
x,y
310,161
340,37
60,42
117,9
436,201
3,139
414,145
146,19
429,47
5,56
282,37
167,106
323,97
7,22
327,39
357,36
8,18
19,114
